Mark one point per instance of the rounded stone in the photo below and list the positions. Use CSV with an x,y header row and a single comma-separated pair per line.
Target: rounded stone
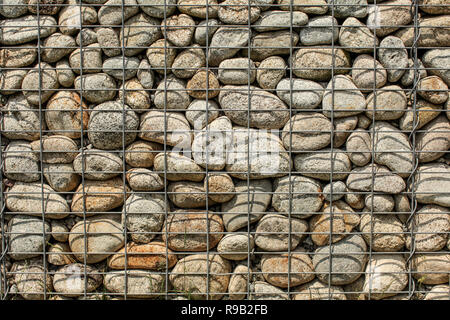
x,y
431,268
112,11
61,176
178,168
236,246
379,203
188,61
261,290
178,29
59,254
106,122
31,279
394,57
145,74
220,187
437,60
189,275
238,285
274,43
316,290
73,16
144,216
108,39
158,8
40,83
429,178
18,56
60,232
307,131
96,88
375,177
20,162
28,236
56,149
139,32
104,236
141,284
188,194
63,114
161,55
305,94
13,8
348,258
95,197
319,165
26,28
134,95
193,230
306,6
237,71
201,112
388,104
368,73
270,72
433,141
433,89
334,191
69,280
66,76
382,232
141,179
120,67
205,29
140,154
275,269
238,12
278,20
389,17
86,60
439,292
356,37
225,43
316,64
307,199
203,85
272,232
198,8
319,31
172,94
97,164
11,81
342,129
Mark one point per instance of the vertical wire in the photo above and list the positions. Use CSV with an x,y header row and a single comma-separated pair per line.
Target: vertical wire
x,y
4,233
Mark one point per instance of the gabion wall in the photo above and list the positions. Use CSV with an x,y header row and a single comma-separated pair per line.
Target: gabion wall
x,y
205,149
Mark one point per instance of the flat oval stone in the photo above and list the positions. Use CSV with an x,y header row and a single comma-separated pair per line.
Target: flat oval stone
x,y
305,94
389,16
342,98
438,59
20,162
140,31
142,179
189,275
183,226
383,232
69,280
44,198
17,57
73,16
111,12
235,246
237,71
319,165
270,71
272,232
201,112
179,167
432,268
348,259
307,199
275,269
134,95
11,80
360,178
430,178
31,279
13,8
43,75
66,76
56,149
238,211
150,256
61,176
368,73
105,122
379,203
98,164
272,43
140,154
238,284
104,236
235,100
27,238
394,57
161,55
198,8
144,215
388,104
307,132
316,290
188,194
188,61
205,29
225,43
264,291
306,6
278,20
26,29
219,186
156,8
99,196
320,30
108,39
348,8
96,88
178,29
137,283
121,68
58,254
386,275
63,44
171,94
433,89
434,139
356,37
238,12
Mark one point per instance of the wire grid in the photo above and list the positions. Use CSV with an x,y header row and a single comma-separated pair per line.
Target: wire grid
x,y
415,289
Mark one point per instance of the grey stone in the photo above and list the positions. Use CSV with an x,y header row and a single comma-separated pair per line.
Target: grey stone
x,y
429,179
433,89
96,88
438,292
56,149
342,129
27,238
108,39
345,100
106,121
235,246
85,37
389,16
306,6
270,72
185,276
73,16
279,20
241,209
434,141
98,164
237,71
431,268
171,94
201,112
104,236
438,60
178,168
346,8
359,146
306,94
39,83
235,100
140,154
272,232
31,279
69,280
142,179
178,29
145,74
320,30
360,179
60,45
408,77
392,148
139,32
210,26
238,285
64,73
380,203
13,8
18,200
339,190
316,64
134,95
144,215
238,12
137,283
19,56
86,60
26,29
316,290
161,55
20,162
121,67
188,194
357,37
274,43
394,57
388,104
307,131
156,8
61,176
11,81
319,165
60,232
188,62
111,12
198,8
264,291
225,44
383,232
368,73
346,262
